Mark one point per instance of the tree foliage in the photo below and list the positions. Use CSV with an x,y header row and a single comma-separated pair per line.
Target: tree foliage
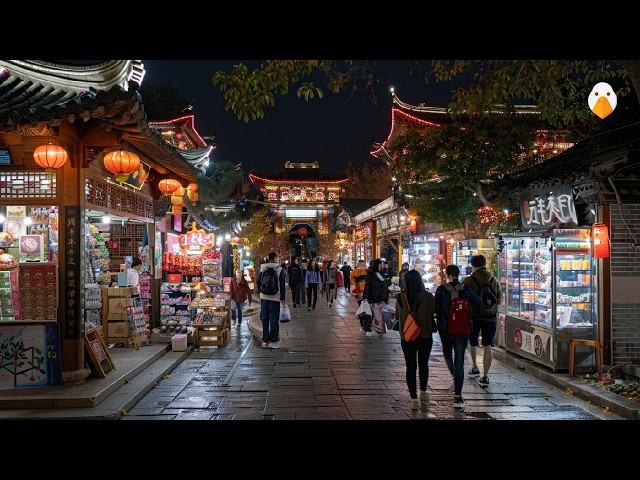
x,y
366,181
162,102
259,233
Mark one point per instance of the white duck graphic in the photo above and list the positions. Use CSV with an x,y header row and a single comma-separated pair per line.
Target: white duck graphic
x,y
602,100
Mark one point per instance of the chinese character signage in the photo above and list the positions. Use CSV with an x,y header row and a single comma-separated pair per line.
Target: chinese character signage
x,y
543,208
73,286
196,240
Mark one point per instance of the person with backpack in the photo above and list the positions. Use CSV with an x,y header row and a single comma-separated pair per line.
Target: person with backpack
x,y
484,317
271,285
421,304
453,304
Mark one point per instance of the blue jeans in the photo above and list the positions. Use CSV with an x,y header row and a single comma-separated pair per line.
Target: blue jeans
x,y
236,314
270,318
453,349
420,350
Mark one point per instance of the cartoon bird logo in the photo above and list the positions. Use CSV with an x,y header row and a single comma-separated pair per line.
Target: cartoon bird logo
x,y
602,100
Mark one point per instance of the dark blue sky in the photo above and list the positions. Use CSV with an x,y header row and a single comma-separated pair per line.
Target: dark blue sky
x,y
331,131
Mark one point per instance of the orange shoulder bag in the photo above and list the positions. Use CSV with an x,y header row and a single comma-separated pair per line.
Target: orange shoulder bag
x,y
410,328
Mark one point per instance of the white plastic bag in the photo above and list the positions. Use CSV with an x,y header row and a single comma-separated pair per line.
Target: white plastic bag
x,y
285,313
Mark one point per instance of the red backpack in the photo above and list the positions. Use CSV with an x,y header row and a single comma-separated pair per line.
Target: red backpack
x,y
459,318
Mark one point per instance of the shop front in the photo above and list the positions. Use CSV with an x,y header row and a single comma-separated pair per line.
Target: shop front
x,y
549,283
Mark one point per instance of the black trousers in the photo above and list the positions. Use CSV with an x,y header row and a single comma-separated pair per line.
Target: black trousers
x,y
312,289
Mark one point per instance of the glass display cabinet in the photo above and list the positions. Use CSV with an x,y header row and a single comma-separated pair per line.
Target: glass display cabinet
x,y
548,296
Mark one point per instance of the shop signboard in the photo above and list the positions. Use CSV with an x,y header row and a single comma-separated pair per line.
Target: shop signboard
x,y
543,208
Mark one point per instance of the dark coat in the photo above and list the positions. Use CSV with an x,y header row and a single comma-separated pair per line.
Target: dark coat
x,y
375,290
423,310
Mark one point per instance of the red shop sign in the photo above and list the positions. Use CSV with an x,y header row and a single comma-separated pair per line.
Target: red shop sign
x,y
196,240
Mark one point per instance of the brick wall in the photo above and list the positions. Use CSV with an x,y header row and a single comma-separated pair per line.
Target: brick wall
x,y
625,283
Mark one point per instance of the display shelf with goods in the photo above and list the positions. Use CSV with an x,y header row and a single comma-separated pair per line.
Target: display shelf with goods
x,y
137,325
145,296
97,256
38,291
212,270
250,276
92,307
175,316
549,297
126,241
424,258
9,297
210,317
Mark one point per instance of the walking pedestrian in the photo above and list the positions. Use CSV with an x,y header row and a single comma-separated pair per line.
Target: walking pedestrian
x,y
295,278
453,348
376,292
240,293
311,281
346,273
270,304
330,282
358,278
421,304
303,289
479,277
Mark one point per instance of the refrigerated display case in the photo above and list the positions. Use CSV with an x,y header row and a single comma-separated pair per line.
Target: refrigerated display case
x,y
424,258
548,296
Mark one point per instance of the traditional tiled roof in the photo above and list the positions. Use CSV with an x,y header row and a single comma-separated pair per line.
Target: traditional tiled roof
x,y
421,117
34,91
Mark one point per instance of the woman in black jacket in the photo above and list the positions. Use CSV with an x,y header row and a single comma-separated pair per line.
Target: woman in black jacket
x,y
376,292
422,304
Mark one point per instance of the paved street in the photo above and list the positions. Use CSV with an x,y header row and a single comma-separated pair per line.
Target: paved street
x,y
326,369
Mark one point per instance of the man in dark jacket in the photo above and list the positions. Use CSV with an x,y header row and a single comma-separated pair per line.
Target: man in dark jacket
x,y
487,326
295,278
346,273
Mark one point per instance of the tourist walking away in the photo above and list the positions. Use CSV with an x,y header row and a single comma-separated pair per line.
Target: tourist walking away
x,y
454,346
240,293
303,290
295,279
271,284
358,277
311,281
484,317
346,274
421,304
330,282
376,292
401,275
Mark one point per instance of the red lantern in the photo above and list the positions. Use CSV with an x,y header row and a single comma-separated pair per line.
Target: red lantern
x,y
121,163
192,192
50,157
302,231
600,236
168,185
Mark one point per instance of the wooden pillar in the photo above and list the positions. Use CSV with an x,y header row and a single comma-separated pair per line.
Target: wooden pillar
x,y
71,254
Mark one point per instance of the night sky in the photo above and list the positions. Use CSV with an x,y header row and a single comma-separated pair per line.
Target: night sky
x,y
331,131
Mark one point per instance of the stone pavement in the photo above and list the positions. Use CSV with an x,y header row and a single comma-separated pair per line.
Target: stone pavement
x,y
327,369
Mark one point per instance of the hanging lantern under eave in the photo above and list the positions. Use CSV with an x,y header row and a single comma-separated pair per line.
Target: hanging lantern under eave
x,y
121,163
168,185
50,157
600,237
192,193
302,231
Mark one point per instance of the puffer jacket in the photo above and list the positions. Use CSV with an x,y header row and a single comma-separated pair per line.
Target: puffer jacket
x,y
375,289
423,310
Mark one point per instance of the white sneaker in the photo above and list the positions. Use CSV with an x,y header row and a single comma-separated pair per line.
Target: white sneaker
x,y
274,345
458,402
370,334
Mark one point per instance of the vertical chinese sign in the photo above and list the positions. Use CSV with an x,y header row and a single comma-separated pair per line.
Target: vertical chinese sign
x,y
73,286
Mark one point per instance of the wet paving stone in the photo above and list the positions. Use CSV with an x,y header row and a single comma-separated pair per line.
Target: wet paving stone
x,y
326,369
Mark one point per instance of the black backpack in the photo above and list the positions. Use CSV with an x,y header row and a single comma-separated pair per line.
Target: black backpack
x,y
489,307
269,282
